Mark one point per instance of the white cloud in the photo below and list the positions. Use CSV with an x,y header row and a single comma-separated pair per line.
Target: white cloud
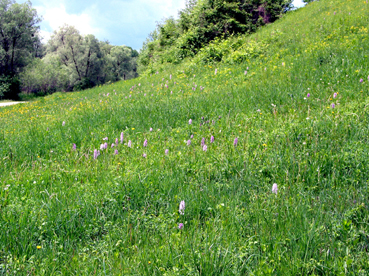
x,y
120,21
56,16
45,35
136,19
298,3
164,7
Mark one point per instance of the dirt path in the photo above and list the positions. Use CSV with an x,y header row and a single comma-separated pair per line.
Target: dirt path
x,y
9,103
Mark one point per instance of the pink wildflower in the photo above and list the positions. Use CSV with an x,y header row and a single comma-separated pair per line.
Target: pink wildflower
x,y
275,188
235,142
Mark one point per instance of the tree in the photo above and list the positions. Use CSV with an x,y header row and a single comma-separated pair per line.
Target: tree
x,y
203,21
122,62
44,76
168,32
18,38
81,55
76,62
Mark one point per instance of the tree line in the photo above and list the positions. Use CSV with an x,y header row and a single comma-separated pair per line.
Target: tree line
x,y
69,61
203,21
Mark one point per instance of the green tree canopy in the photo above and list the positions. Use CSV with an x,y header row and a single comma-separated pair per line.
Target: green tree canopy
x,y
18,35
75,62
205,20
81,55
19,42
122,62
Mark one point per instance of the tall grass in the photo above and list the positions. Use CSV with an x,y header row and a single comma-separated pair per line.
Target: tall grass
x,y
65,213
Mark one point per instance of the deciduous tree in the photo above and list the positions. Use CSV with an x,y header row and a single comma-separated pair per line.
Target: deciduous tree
x,y
81,55
18,38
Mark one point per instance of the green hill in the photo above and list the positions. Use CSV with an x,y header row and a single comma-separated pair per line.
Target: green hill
x,y
287,105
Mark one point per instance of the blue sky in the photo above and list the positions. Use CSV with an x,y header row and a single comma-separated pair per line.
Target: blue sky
x,y
121,22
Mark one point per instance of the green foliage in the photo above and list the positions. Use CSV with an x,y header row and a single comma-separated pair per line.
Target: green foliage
x,y
235,50
168,32
76,62
4,86
202,22
45,76
19,43
120,63
80,55
64,212
9,87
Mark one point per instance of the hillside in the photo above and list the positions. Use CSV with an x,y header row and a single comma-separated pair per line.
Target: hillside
x,y
202,22
287,105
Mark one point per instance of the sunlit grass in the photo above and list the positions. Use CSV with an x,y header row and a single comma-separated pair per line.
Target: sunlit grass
x,y
64,212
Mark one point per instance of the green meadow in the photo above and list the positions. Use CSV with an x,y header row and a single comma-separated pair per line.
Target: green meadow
x,y
287,105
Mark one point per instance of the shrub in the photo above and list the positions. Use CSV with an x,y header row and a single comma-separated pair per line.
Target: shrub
x,y
9,87
204,22
45,76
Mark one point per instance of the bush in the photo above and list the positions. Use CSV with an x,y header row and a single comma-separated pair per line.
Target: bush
x,y
249,51
9,87
208,21
44,76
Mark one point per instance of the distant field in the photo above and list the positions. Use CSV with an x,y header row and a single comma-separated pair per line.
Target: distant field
x,y
185,182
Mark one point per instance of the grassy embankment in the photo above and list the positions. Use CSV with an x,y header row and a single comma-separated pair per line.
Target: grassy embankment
x,y
64,213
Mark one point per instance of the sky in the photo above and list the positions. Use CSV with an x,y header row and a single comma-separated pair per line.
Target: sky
x,y
121,22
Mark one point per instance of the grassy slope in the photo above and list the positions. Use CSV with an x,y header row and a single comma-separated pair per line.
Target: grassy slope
x,y
63,213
